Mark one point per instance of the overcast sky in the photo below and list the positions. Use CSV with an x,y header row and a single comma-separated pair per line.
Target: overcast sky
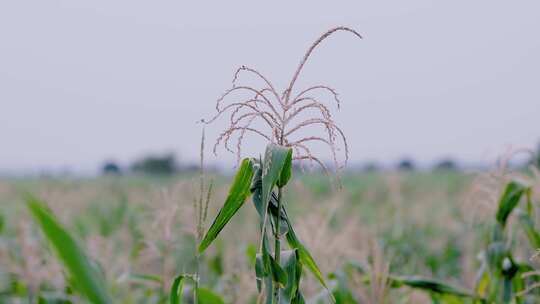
x,y
83,81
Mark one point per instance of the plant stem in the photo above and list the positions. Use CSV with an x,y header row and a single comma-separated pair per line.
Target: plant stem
x,y
196,290
201,217
277,244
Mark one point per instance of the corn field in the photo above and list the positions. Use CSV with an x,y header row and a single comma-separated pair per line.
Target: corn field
x,y
139,234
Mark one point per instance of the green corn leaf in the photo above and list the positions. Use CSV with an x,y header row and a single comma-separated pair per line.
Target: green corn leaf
x,y
438,289
146,277
518,284
521,283
278,274
341,286
273,209
256,190
264,271
528,225
206,296
298,299
494,289
431,285
286,171
266,255
263,276
83,273
483,281
291,264
530,208
251,254
260,272
509,200
2,223
238,194
292,271
305,257
175,296
276,158
50,297
268,271
506,290
438,298
496,253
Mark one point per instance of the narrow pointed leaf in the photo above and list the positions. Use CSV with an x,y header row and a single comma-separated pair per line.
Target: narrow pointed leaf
x,y
291,264
496,253
263,278
273,209
278,274
275,159
528,225
298,299
251,254
84,275
175,296
482,285
2,223
146,277
238,194
305,256
260,273
509,200
431,285
286,171
207,296
256,190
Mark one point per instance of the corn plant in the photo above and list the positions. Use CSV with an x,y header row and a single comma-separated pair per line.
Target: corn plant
x,y
284,116
501,277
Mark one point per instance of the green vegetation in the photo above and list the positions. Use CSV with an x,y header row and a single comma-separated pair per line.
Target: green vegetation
x,y
437,241
279,273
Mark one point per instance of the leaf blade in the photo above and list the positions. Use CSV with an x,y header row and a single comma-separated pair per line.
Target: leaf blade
x,y
431,285
509,200
206,296
238,193
175,295
88,280
275,159
305,256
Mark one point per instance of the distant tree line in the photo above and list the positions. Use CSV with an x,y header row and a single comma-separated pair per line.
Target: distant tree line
x,y
165,164
110,168
155,165
408,165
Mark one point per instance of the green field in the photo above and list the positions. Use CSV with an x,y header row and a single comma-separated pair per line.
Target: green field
x,y
140,231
